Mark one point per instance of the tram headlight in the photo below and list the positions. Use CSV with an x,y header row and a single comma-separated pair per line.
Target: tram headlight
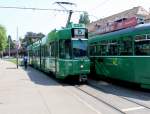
x,y
81,66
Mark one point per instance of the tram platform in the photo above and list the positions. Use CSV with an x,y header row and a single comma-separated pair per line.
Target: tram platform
x,y
32,92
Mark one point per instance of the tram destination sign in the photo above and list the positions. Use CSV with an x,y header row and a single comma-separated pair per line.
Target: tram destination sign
x,y
79,33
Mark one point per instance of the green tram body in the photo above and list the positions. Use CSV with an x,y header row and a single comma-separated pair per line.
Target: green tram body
x,y
122,54
62,52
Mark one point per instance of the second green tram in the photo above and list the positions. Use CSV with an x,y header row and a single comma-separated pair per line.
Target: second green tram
x,y
123,55
63,52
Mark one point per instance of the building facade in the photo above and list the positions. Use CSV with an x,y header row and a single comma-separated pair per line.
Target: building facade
x,y
139,12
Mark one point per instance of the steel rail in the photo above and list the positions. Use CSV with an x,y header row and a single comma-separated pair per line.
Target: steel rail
x,y
101,100
137,103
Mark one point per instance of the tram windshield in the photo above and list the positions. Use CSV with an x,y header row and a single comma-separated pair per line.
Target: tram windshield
x,y
79,47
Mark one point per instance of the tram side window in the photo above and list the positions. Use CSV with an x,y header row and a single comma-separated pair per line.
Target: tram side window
x,y
44,54
34,53
37,53
65,49
142,45
42,51
98,50
113,47
104,49
30,53
125,46
52,49
56,48
46,51
49,50
92,50
148,36
61,49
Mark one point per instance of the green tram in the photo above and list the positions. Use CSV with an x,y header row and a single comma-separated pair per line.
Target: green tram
x,y
122,55
62,52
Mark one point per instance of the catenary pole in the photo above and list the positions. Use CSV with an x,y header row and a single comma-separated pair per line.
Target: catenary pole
x,y
9,46
17,47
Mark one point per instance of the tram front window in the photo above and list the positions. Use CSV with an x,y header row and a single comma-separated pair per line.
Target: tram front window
x,y
79,47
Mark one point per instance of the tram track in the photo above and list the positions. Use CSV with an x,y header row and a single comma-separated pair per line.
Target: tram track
x,y
125,98
118,109
136,103
97,98
136,106
122,111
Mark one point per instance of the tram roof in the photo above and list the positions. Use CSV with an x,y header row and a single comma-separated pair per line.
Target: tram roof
x,y
43,40
36,44
29,47
137,30
64,33
72,25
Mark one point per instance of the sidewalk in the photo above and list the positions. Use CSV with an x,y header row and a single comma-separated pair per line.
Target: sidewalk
x,y
32,92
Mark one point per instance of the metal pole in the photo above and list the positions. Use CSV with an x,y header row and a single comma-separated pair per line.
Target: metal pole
x,y
9,46
2,54
17,47
69,17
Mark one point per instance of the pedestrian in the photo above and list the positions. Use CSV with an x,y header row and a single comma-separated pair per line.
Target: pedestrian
x,y
25,59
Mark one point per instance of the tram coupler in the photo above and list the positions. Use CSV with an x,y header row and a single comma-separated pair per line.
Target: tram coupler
x,y
83,78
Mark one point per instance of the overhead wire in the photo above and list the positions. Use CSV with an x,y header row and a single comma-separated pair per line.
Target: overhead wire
x,y
33,8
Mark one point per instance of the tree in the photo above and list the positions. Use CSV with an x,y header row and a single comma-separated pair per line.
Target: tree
x,y
84,18
29,38
32,37
3,38
12,44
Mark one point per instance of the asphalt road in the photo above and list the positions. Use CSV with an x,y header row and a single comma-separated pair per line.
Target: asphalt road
x,y
32,92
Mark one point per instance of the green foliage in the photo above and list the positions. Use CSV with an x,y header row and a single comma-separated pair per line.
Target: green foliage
x,y
29,39
12,44
84,18
32,37
3,38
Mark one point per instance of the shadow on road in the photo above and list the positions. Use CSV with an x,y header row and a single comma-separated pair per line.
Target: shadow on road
x,y
127,92
39,77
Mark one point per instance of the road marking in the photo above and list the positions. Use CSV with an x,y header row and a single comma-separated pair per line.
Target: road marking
x,y
131,109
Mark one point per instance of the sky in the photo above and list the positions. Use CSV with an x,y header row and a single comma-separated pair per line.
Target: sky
x,y
45,21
